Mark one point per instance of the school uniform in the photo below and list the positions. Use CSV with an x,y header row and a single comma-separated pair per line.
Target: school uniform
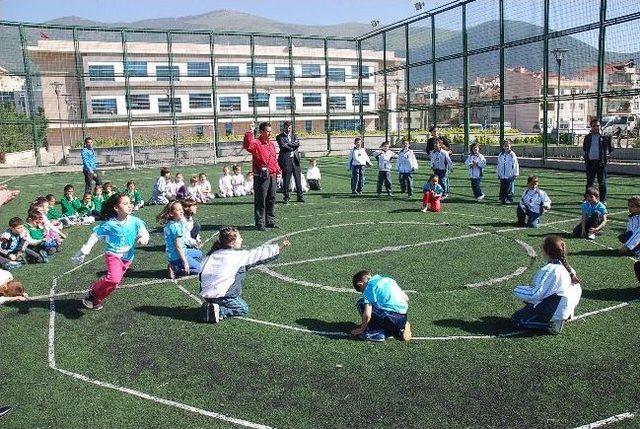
x,y
356,163
531,207
313,178
431,194
248,186
407,164
476,172
552,297
172,231
441,163
15,244
389,308
508,169
237,185
631,237
226,188
384,170
593,217
161,192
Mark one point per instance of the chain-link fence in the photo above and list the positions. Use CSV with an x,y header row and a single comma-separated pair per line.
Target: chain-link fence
x,y
534,72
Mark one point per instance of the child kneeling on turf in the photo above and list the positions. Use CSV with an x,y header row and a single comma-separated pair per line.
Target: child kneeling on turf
x,y
533,203
594,216
383,308
223,271
630,239
554,294
432,193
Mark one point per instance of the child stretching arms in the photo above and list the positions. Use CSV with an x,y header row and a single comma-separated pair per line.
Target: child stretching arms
x,y
223,271
182,261
554,294
432,193
594,215
533,203
120,231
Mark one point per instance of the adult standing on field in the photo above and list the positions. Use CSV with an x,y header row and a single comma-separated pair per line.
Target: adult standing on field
x,y
596,149
265,169
89,165
435,136
289,161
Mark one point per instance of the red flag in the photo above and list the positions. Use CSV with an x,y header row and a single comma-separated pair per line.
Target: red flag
x,y
43,35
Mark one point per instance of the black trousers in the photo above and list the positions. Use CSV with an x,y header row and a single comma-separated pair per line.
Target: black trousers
x,y
88,177
264,199
290,168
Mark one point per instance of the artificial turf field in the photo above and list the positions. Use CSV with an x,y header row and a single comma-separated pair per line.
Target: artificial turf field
x,y
466,369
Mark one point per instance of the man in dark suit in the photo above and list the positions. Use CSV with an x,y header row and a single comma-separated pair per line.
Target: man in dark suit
x,y
289,161
596,149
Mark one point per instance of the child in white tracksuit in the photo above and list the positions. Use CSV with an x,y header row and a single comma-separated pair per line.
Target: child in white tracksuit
x,y
407,165
533,203
384,157
237,182
225,184
508,169
554,294
223,271
441,164
476,163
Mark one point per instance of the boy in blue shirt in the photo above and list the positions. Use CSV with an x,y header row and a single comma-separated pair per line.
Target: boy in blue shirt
x,y
594,215
383,308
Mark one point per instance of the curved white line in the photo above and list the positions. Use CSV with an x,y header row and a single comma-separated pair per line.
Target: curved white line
x,y
516,273
608,421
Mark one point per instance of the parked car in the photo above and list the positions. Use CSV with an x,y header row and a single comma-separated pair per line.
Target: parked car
x,y
622,125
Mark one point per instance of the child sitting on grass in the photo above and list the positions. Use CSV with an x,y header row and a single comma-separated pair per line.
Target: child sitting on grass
x,y
383,308
224,184
182,261
594,216
42,244
70,204
533,203
204,187
98,201
108,190
10,290
237,182
313,175
134,195
431,194
14,244
191,226
161,192
248,183
554,294
630,239
86,210
223,272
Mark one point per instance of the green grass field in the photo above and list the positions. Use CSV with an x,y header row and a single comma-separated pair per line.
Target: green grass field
x,y
144,361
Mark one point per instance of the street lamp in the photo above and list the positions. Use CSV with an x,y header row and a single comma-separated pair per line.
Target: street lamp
x,y
56,88
559,53
515,112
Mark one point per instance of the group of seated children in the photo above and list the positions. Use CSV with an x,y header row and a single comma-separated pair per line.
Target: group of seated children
x,y
308,181
234,185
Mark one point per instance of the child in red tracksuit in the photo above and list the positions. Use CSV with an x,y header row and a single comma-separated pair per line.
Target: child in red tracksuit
x,y
432,193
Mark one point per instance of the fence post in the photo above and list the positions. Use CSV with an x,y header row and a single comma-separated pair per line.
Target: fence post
x,y
465,76
545,82
407,85
214,96
326,91
601,53
30,101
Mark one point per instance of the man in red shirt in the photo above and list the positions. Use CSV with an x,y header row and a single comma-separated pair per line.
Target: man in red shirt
x,y
265,170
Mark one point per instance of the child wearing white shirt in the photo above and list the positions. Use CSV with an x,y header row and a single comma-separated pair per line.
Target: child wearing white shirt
x,y
224,184
204,188
356,163
193,190
248,183
313,175
407,165
441,164
384,157
476,163
533,203
508,169
237,182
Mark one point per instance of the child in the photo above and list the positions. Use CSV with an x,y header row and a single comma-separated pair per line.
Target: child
x,y
407,165
35,228
476,163
54,214
10,290
161,193
182,261
313,175
70,204
248,183
431,194
303,185
441,163
223,272
532,205
13,246
204,187
120,231
237,182
383,308
508,169
86,210
630,239
554,294
109,190
98,201
384,157
224,183
134,195
594,216
176,186
191,226
356,163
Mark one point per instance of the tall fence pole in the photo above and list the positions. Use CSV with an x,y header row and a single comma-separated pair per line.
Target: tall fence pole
x,y
327,95
82,93
545,82
214,96
601,54
127,96
360,94
30,97
407,83
465,78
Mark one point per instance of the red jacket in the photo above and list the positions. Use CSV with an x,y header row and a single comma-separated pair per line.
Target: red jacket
x,y
264,154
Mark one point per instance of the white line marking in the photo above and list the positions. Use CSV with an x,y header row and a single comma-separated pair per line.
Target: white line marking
x,y
605,310
81,265
516,273
608,421
192,296
9,180
530,250
288,279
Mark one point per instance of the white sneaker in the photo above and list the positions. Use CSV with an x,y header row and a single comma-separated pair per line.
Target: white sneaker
x,y
481,197
591,236
406,333
216,312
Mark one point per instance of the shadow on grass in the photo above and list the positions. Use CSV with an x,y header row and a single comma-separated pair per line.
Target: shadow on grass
x,y
407,210
146,274
189,314
599,252
217,227
324,326
69,308
612,294
155,248
488,325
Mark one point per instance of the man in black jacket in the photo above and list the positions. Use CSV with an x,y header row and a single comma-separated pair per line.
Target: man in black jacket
x,y
289,161
596,149
435,135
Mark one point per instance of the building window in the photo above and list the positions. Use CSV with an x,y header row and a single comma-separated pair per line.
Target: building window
x,y
336,74
164,107
261,100
365,71
228,104
228,73
344,124
6,97
283,73
308,126
283,103
198,69
135,68
338,103
101,73
311,99
310,70
139,102
104,106
259,70
355,99
166,73
200,101
228,128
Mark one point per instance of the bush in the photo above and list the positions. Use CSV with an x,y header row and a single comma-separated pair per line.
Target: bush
x,y
16,133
